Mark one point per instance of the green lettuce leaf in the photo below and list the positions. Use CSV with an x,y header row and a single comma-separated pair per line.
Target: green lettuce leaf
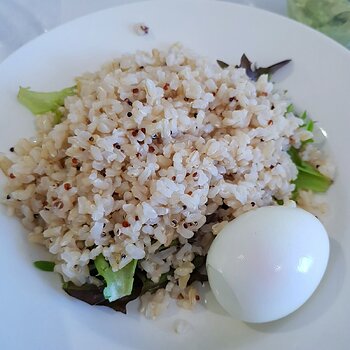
x,y
290,108
308,178
308,125
119,283
44,265
43,102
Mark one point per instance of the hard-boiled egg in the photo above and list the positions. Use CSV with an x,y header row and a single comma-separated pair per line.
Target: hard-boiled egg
x,y
267,262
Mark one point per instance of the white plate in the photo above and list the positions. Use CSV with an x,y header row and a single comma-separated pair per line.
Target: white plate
x,y
36,314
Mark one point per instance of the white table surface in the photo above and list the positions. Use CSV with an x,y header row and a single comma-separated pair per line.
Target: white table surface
x,y
23,20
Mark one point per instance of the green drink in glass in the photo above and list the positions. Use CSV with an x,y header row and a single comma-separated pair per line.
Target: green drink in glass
x,y
331,17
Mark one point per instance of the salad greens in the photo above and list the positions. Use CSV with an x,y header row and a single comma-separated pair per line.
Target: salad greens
x,y
254,72
290,108
308,125
308,178
119,283
308,122
96,295
44,265
93,295
43,102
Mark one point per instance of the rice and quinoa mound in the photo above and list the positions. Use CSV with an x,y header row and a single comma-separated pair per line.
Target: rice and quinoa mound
x,y
153,154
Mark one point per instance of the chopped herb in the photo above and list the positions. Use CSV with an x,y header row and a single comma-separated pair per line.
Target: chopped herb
x,y
44,265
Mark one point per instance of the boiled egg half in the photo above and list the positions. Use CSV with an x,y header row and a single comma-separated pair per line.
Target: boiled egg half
x,y
266,263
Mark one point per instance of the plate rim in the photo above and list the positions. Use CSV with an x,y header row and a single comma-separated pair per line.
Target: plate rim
x,y
24,47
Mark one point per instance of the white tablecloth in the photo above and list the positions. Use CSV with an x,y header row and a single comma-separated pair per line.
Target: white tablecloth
x,y
23,20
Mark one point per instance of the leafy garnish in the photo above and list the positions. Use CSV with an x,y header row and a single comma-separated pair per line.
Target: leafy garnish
x,y
304,116
119,283
290,108
43,102
309,126
315,182
308,177
120,304
308,122
254,72
222,64
89,293
44,265
93,295
96,295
